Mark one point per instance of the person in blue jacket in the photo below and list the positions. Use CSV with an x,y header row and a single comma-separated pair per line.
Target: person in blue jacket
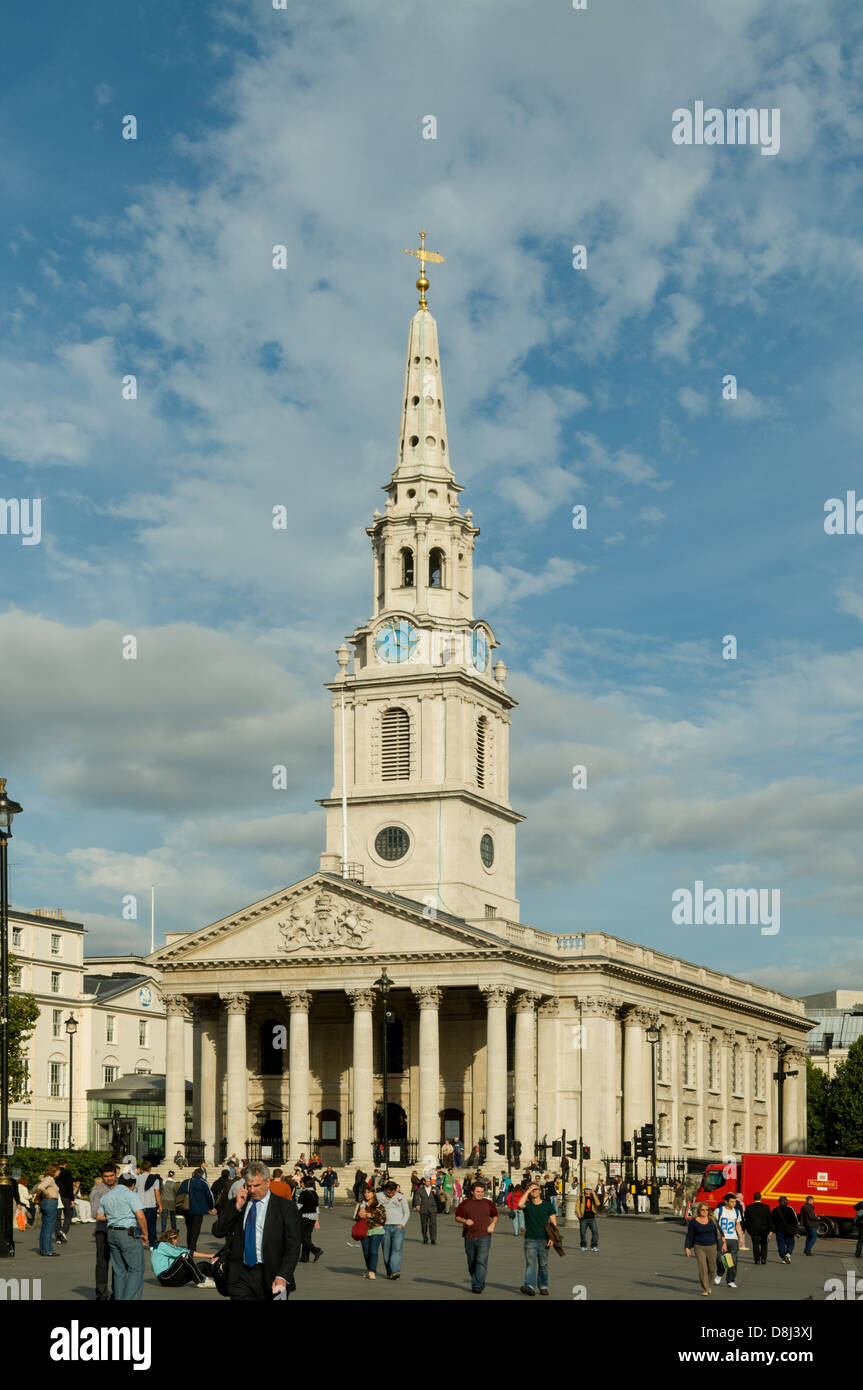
x,y
201,1203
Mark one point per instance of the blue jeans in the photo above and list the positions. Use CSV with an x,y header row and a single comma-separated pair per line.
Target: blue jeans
x,y
329,1193
48,1208
173,1216
536,1263
588,1223
394,1239
476,1248
784,1244
371,1249
517,1222
811,1237
127,1262
150,1215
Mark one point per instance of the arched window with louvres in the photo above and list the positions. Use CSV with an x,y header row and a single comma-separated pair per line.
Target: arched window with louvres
x,y
395,745
482,750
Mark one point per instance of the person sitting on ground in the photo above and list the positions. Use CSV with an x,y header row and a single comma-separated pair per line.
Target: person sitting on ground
x,y
174,1265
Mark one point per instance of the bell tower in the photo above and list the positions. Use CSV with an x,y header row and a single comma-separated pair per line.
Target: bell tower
x,y
420,801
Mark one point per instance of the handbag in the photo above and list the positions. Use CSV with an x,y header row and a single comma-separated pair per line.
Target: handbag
x,y
360,1229
20,1219
181,1201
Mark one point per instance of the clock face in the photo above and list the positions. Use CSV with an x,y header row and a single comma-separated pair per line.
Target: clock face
x,y
479,651
397,640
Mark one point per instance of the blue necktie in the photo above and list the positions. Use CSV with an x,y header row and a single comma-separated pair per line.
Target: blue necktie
x,y
250,1247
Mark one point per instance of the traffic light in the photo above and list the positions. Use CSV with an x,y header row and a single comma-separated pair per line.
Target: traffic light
x,y
640,1150
572,1148
648,1138
500,1143
556,1148
516,1151
627,1148
585,1151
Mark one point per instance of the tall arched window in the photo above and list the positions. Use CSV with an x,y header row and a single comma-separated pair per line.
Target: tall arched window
x,y
481,749
436,568
407,567
395,745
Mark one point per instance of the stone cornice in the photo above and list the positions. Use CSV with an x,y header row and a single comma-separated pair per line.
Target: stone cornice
x,y
457,794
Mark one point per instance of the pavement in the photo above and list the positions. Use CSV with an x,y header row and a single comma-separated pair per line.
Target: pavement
x,y
640,1259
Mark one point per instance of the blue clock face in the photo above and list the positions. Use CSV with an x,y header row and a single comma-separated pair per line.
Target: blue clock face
x,y
397,640
479,650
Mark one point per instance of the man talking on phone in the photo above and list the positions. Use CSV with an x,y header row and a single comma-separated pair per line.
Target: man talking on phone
x,y
264,1238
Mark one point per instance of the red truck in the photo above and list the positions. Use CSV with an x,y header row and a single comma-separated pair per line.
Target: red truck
x,y
836,1184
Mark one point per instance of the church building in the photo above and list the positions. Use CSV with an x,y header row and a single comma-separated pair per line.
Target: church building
x,y
493,1027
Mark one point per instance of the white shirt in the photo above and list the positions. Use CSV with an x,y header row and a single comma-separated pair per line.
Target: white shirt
x,y
727,1221
259,1213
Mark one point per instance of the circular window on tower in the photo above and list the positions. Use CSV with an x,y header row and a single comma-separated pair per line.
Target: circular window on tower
x,y
486,850
392,842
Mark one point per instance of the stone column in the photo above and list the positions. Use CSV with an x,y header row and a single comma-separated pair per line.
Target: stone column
x,y
429,1131
299,1002
237,1097
636,1102
702,1131
176,1007
675,1136
207,1038
596,1040
525,1073
495,1060
726,1123
362,1003
547,1069
794,1101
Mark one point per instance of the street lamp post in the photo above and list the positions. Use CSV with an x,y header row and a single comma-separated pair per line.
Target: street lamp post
x,y
71,1030
653,1035
780,1076
385,984
8,810
311,1146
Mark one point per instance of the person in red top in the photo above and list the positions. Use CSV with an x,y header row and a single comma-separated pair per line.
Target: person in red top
x,y
477,1217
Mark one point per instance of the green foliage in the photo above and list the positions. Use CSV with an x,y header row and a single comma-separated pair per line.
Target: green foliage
x,y
85,1164
816,1109
23,1016
846,1103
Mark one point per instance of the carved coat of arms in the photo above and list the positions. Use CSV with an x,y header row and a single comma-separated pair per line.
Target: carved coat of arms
x,y
324,928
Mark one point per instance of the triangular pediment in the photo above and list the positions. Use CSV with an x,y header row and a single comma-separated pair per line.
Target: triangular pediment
x,y
324,918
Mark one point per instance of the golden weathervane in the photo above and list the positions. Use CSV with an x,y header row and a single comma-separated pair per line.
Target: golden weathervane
x,y
423,255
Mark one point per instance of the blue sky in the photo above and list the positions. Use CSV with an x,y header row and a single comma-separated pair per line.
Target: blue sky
x,y
601,386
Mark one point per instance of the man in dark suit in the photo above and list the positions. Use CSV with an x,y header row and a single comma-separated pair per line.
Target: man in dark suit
x,y
264,1236
757,1221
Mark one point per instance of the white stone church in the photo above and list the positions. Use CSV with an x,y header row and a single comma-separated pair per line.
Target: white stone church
x,y
496,1027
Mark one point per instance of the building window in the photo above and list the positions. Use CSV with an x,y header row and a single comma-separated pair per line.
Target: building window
x,y
395,745
486,850
55,943
17,936
689,1130
481,737
407,568
110,1020
24,1084
109,1073
662,1130
55,1135
392,843
490,910
737,1139
329,1127
55,981
142,1033
15,974
759,1139
142,1070
714,1134
57,1079
19,1134
56,1023
436,568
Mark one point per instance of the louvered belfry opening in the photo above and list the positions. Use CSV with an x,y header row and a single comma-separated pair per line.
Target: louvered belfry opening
x,y
396,746
481,731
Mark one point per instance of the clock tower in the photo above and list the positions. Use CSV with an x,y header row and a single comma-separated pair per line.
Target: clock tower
x,y
420,803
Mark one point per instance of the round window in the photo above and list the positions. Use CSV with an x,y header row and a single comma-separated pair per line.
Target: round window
x,y
392,842
486,850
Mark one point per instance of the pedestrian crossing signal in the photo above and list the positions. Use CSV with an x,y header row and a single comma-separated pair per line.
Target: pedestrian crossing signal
x,y
500,1143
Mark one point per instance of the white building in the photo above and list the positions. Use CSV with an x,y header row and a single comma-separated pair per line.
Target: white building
x,y
839,1017
117,1005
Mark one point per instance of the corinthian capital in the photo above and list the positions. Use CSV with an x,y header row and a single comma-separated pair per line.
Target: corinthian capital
x,y
175,1004
598,1005
361,998
526,1002
639,1017
299,1001
495,995
427,996
235,1002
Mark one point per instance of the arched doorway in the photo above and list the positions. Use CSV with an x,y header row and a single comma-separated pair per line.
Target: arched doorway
x,y
452,1124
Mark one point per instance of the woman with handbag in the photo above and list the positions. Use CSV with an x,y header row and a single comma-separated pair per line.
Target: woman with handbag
x,y
48,1197
369,1231
702,1236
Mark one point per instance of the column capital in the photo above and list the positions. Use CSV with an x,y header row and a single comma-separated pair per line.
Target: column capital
x,y
750,1041
705,1031
175,1004
495,996
796,1055
361,998
427,996
598,1004
636,1016
728,1036
235,1002
299,1001
526,1002
679,1023
549,1008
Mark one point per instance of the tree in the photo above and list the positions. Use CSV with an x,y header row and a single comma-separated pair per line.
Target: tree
x,y
23,1017
816,1109
846,1103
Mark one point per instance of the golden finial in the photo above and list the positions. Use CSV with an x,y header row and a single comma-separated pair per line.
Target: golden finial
x,y
423,255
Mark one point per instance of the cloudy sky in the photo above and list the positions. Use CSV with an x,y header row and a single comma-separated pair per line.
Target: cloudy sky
x,y
601,386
